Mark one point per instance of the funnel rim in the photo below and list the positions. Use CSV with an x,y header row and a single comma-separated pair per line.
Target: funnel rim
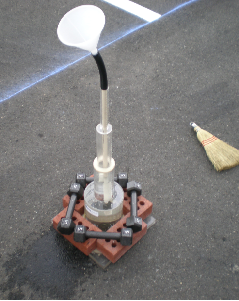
x,y
93,37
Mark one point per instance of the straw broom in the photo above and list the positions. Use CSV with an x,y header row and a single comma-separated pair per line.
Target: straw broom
x,y
222,155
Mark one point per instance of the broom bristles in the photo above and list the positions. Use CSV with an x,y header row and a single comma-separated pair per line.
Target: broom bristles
x,y
222,155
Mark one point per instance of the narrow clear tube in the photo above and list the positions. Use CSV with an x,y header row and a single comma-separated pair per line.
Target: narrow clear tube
x,y
104,145
104,108
104,165
104,185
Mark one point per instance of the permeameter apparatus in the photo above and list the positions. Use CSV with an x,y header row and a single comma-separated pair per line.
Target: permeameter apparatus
x,y
104,215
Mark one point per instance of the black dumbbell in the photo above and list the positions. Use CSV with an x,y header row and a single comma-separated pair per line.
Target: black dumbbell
x,y
66,224
125,237
82,179
134,222
121,178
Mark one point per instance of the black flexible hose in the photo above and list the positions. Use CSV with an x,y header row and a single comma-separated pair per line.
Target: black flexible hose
x,y
102,71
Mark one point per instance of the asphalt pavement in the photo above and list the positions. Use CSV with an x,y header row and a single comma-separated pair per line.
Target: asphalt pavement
x,y
162,75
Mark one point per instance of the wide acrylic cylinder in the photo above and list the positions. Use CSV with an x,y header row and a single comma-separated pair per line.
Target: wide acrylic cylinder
x,y
103,215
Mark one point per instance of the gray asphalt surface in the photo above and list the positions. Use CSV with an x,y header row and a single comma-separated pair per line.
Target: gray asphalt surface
x,y
181,68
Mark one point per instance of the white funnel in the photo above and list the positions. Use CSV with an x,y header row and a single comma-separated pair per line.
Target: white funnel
x,y
81,27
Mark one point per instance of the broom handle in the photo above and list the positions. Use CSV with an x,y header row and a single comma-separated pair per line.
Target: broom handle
x,y
195,126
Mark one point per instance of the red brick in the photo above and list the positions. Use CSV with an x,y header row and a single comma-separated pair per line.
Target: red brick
x,y
90,244
113,250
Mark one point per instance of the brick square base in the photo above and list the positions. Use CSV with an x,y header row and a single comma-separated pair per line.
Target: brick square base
x,y
112,249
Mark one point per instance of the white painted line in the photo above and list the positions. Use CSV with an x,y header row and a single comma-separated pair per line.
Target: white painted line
x,y
135,9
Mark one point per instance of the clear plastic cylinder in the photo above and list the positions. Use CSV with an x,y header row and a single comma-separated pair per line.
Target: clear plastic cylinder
x,y
104,164
104,145
104,181
104,108
101,214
